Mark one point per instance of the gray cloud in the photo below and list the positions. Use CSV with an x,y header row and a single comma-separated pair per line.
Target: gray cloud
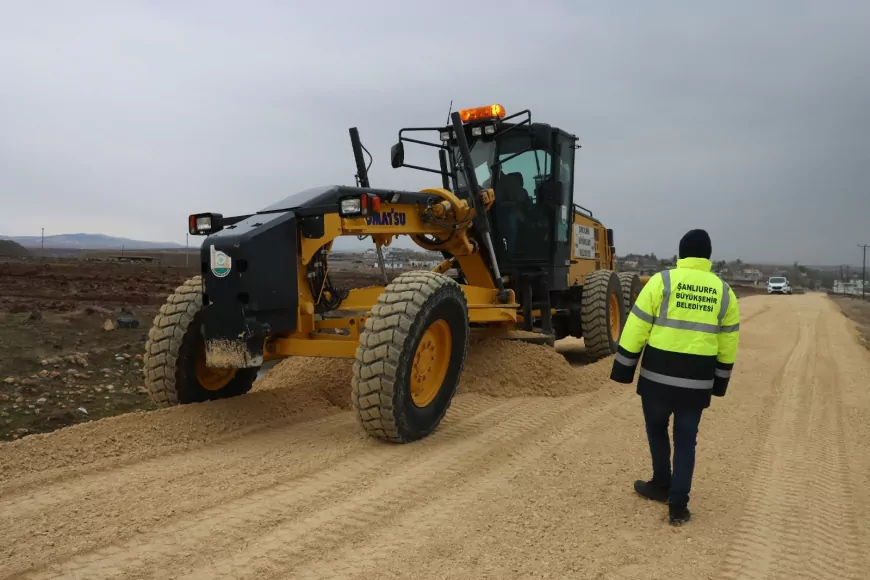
x,y
749,119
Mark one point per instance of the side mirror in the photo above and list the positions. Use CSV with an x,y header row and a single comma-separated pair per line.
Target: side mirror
x,y
397,155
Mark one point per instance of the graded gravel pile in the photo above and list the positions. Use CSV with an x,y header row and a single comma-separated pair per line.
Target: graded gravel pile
x,y
504,368
323,379
498,368
139,435
297,387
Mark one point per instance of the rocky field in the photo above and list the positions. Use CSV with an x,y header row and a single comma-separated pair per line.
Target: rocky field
x,y
72,334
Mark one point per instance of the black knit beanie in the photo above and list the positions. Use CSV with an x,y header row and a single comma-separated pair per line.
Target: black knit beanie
x,y
696,244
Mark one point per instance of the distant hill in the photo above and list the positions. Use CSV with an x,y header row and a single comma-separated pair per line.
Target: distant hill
x,y
9,249
89,242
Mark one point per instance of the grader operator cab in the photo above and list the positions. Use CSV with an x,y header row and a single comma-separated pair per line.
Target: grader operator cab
x,y
521,259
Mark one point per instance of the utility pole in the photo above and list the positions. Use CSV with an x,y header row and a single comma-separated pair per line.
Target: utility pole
x,y
863,270
42,240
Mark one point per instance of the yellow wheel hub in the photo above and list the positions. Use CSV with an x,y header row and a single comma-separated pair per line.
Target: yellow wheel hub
x,y
210,378
615,317
430,364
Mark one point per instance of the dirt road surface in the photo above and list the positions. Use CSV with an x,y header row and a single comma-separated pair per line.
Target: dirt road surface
x,y
282,484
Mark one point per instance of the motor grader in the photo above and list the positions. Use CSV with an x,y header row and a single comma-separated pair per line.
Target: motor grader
x,y
520,260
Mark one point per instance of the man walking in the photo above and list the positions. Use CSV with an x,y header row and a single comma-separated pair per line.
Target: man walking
x,y
686,321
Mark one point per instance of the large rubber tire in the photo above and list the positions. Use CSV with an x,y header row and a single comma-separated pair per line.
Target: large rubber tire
x,y
174,347
382,373
602,299
631,287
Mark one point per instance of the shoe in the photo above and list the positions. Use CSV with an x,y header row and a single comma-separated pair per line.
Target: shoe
x,y
678,515
651,490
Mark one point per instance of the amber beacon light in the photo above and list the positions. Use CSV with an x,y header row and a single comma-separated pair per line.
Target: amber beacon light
x,y
482,113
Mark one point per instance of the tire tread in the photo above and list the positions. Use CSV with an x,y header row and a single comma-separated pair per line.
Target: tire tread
x,y
163,345
593,312
382,344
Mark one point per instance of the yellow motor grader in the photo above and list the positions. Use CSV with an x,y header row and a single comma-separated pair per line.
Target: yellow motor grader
x,y
520,259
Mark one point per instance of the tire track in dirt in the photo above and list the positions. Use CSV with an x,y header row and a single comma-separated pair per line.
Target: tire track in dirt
x,y
757,311
224,454
316,503
797,519
100,510
387,525
389,500
403,530
362,555
253,512
90,449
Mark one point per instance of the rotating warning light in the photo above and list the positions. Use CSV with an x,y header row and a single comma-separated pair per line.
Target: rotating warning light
x,y
482,113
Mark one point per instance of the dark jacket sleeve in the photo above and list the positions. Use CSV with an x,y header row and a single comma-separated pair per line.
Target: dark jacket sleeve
x,y
720,381
624,366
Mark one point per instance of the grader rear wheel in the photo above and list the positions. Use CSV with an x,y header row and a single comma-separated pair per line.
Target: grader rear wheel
x,y
602,313
175,367
631,288
410,357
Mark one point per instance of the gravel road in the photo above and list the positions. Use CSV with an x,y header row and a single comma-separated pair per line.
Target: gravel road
x,y
282,484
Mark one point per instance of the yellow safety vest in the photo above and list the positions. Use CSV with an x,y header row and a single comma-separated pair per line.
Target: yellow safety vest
x,y
687,322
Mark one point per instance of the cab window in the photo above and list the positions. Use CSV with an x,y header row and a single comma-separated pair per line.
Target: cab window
x,y
532,167
523,222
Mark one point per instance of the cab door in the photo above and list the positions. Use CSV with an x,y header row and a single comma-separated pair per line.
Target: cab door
x,y
563,202
524,218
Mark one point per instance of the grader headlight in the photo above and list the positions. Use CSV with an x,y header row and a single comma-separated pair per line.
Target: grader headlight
x,y
358,206
204,223
351,206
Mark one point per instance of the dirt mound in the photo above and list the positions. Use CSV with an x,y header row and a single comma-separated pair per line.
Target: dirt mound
x,y
143,434
312,378
298,388
10,249
498,368
503,368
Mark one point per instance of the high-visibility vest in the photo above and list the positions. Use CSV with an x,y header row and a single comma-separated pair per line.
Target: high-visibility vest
x,y
686,321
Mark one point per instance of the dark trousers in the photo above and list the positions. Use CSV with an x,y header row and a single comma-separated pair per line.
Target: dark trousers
x,y
657,411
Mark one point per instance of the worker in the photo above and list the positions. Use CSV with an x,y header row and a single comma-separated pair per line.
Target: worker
x,y
686,321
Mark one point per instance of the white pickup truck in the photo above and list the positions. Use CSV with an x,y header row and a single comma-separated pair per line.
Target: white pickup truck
x,y
778,285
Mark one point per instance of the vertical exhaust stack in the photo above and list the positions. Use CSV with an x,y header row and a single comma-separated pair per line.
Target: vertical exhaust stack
x,y
362,174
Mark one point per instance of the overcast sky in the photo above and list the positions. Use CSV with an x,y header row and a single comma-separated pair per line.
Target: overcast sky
x,y
749,119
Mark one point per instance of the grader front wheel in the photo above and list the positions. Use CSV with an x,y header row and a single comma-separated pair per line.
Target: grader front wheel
x,y
410,357
175,367
602,313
